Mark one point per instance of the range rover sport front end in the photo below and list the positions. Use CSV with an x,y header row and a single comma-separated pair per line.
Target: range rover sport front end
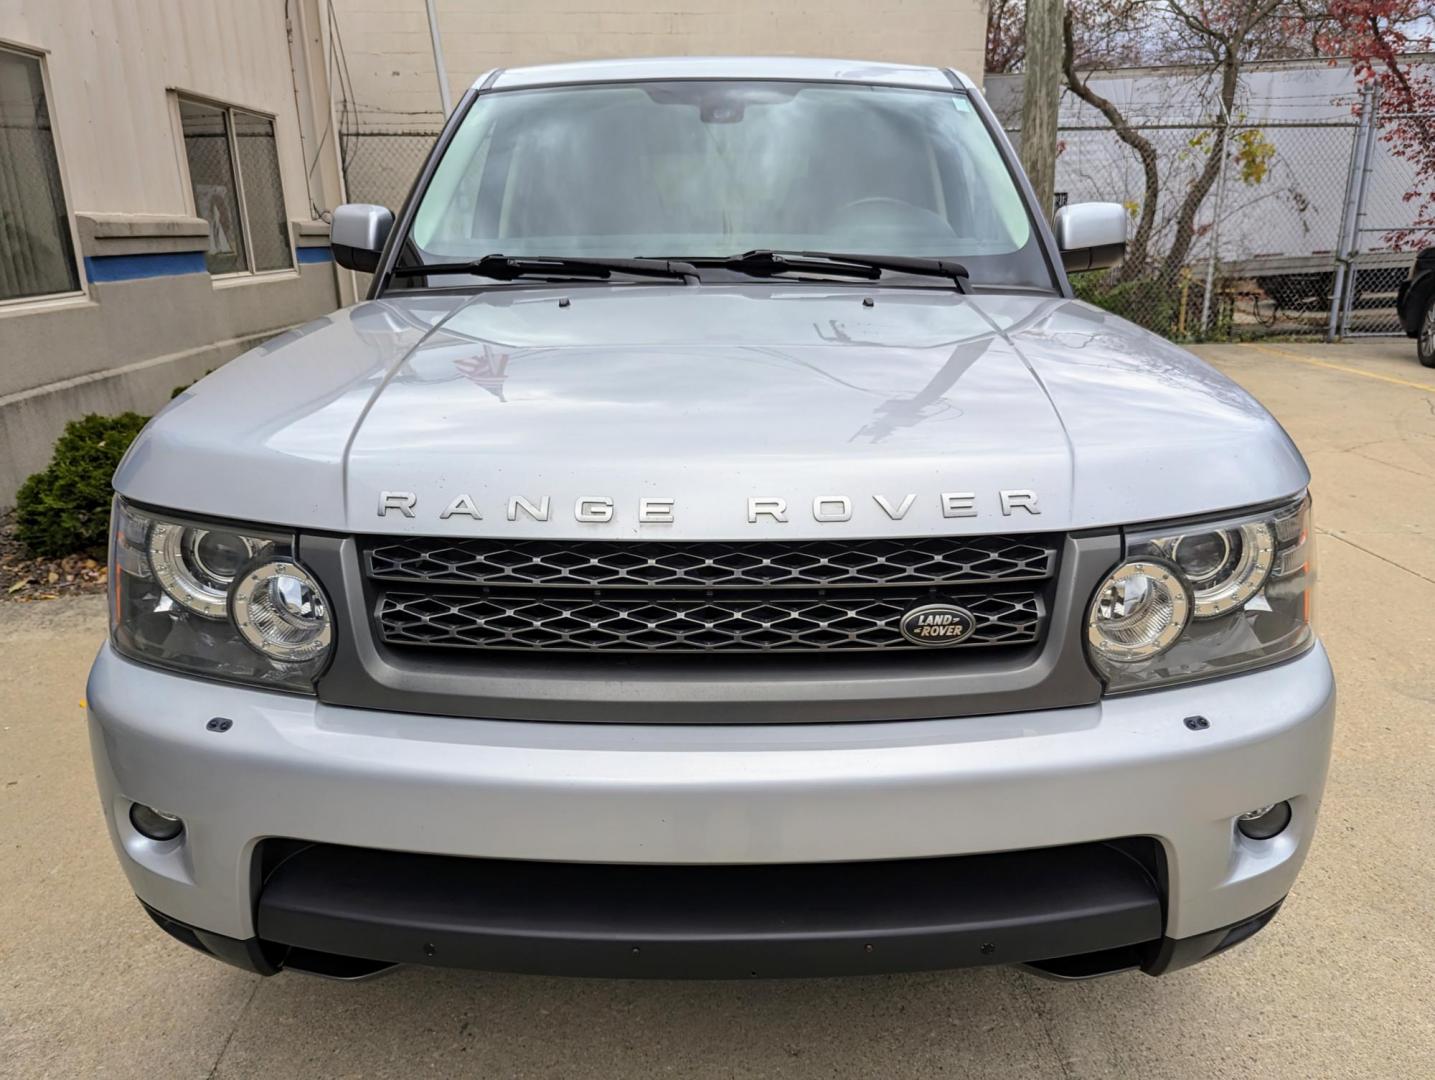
x,y
720,546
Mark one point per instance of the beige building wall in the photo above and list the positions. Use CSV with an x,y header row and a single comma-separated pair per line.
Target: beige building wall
x,y
390,59
110,65
147,315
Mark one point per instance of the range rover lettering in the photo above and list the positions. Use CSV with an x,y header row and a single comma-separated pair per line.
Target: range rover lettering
x,y
719,546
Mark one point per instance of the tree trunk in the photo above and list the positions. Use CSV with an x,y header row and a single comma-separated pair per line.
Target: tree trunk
x,y
1136,250
1041,93
1196,194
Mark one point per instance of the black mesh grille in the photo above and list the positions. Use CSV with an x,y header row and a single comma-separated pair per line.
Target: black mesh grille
x,y
686,624
671,597
647,564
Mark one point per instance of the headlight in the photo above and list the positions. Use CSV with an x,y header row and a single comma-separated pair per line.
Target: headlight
x,y
1205,599
214,600
280,610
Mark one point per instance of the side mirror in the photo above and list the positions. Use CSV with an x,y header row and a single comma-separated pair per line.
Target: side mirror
x,y
1091,236
357,235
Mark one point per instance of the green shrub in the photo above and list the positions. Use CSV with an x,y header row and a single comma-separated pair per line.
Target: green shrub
x,y
65,509
181,389
1144,301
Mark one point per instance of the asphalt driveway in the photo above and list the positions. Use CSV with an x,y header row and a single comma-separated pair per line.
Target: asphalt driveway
x,y
1339,985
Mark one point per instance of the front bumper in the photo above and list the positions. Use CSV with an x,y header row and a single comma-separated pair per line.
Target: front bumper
x,y
655,796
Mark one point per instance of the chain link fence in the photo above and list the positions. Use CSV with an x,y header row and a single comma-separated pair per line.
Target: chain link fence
x,y
1296,235
1253,257
380,163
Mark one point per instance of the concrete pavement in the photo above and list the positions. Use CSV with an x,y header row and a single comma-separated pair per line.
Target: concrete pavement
x,y
1338,986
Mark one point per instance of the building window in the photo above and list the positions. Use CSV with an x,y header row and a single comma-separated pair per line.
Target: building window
x,y
234,173
37,249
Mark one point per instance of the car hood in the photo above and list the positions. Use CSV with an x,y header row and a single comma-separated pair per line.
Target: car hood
x,y
587,400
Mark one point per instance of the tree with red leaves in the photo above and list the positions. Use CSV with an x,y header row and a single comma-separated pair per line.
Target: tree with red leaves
x,y
1378,36
1006,39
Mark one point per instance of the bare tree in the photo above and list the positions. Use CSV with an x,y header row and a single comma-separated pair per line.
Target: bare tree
x,y
1108,23
1215,40
1224,35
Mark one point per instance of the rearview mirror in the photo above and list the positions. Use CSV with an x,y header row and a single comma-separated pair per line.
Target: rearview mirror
x,y
1091,236
357,235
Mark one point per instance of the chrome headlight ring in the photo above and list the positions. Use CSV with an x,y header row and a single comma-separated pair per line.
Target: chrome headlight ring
x,y
196,566
281,611
1246,554
1140,610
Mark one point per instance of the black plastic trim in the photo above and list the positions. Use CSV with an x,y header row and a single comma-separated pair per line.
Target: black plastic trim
x,y
249,954
1076,260
710,921
1172,954
352,258
1160,956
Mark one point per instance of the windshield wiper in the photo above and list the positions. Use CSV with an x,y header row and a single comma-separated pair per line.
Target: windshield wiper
x,y
765,262
511,267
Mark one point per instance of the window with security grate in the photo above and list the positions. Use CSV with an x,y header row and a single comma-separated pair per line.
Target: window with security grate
x,y
37,252
234,175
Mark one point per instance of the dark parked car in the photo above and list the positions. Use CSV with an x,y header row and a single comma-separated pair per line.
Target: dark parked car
x,y
1416,306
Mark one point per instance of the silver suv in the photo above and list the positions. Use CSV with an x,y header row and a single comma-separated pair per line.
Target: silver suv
x,y
720,546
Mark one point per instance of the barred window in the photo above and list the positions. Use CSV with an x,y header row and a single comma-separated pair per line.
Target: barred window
x,y
37,251
234,173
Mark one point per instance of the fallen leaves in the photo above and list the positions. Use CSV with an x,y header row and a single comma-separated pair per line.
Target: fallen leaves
x,y
24,579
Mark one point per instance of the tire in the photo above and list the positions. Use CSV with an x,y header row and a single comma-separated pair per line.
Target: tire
x,y
1425,341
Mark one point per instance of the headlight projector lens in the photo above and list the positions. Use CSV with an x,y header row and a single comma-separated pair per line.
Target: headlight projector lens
x,y
196,566
1140,610
281,611
1202,555
217,555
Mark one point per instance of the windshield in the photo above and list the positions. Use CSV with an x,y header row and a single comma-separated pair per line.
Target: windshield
x,y
705,169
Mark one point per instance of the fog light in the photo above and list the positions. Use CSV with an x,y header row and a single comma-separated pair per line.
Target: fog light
x,y
1265,822
155,824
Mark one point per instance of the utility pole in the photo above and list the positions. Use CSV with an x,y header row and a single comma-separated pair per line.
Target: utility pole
x,y
440,72
1223,139
1041,92
1345,246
